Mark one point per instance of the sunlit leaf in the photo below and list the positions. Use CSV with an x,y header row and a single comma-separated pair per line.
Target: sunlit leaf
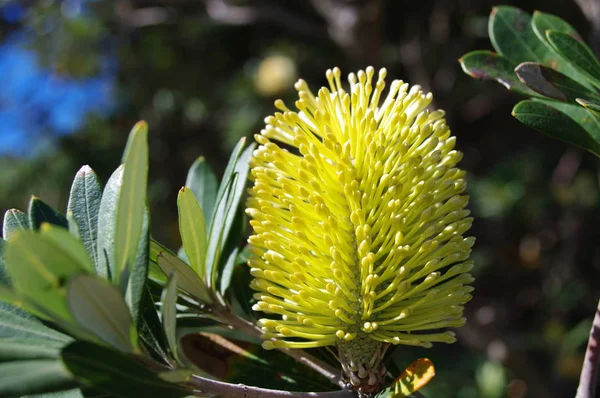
x,y
14,220
69,245
84,204
39,269
187,279
192,228
228,198
132,202
107,216
413,378
203,182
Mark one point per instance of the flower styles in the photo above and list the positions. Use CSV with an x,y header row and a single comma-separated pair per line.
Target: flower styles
x,y
358,222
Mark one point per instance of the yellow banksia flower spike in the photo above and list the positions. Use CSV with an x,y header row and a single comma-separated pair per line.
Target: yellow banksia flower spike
x,y
358,219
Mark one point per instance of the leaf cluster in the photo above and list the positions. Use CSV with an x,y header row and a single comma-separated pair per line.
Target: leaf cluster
x,y
544,58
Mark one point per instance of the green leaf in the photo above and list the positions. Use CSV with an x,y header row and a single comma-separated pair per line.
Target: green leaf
x,y
577,54
40,212
139,271
19,378
542,22
187,279
107,216
192,228
557,120
116,373
589,105
486,65
12,349
4,277
73,393
228,199
99,308
169,314
132,202
15,323
69,245
227,272
203,182
552,84
84,204
512,36
150,328
39,268
14,220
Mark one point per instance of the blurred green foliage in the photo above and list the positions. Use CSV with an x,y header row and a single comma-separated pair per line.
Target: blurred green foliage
x,y
204,73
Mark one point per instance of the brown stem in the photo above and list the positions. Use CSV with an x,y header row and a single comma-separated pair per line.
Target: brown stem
x,y
220,388
589,373
227,316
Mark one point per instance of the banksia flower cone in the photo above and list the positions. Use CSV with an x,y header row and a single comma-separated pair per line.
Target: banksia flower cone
x,y
358,224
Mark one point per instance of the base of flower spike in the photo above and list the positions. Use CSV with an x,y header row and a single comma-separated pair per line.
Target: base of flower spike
x,y
362,363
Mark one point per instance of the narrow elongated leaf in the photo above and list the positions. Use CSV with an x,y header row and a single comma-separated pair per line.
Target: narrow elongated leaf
x,y
202,180
553,84
19,378
151,329
237,361
69,245
576,53
139,271
84,204
39,268
169,314
187,279
73,393
595,107
40,212
12,349
99,308
116,373
485,65
107,217
511,35
413,378
15,323
228,199
4,278
132,202
548,119
227,272
192,228
14,220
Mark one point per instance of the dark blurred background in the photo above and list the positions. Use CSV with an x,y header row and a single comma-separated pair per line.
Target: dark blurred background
x,y
75,75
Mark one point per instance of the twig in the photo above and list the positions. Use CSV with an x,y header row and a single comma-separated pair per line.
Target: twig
x,y
220,388
334,375
589,373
